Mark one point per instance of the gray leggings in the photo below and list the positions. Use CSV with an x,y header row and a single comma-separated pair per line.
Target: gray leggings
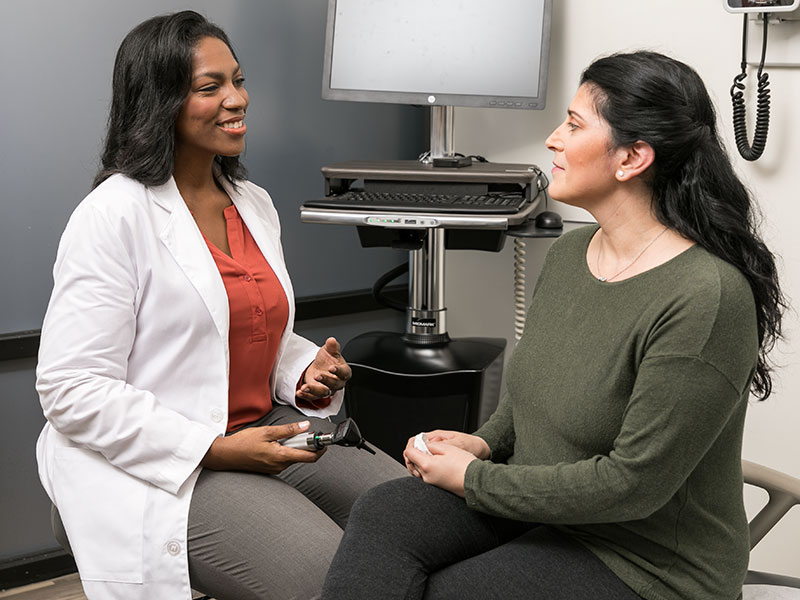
x,y
258,537
407,540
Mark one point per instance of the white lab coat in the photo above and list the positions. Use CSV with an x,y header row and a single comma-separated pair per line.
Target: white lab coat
x,y
133,378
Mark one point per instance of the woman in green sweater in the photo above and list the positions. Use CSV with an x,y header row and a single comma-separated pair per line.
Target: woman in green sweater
x,y
611,468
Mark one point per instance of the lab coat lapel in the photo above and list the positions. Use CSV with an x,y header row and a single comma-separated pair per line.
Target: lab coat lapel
x,y
185,243
266,238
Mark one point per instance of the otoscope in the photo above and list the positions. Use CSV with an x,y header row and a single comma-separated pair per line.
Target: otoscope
x,y
345,434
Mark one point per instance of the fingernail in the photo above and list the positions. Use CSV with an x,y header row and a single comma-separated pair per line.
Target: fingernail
x,y
303,424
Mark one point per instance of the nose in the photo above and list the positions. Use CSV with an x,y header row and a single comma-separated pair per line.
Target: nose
x,y
553,141
236,98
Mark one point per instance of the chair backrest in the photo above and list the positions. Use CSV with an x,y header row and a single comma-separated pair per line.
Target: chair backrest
x,y
784,493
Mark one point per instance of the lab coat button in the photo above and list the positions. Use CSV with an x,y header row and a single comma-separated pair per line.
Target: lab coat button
x,y
217,415
173,547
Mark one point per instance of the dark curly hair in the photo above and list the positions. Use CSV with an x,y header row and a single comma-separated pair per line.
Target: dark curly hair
x,y
656,99
152,76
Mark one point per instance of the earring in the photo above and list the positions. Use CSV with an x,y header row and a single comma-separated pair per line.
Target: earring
x,y
620,173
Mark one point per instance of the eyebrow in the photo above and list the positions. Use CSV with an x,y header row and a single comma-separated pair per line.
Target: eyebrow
x,y
216,74
575,115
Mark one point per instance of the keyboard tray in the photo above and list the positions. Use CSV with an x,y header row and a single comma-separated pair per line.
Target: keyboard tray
x,y
493,203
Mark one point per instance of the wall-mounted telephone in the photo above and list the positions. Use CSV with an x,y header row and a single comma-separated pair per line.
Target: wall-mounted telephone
x,y
762,6
755,151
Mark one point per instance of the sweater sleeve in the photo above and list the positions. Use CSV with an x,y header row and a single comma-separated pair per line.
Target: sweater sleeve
x,y
498,431
678,408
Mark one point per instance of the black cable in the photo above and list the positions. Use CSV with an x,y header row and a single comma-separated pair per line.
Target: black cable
x,y
381,283
762,111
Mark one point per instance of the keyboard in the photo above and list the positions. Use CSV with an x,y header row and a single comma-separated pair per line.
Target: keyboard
x,y
497,203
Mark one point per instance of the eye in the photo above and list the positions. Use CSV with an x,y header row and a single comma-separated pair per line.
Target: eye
x,y
208,88
571,126
239,81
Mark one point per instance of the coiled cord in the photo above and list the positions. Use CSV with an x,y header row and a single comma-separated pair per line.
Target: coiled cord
x,y
762,110
519,286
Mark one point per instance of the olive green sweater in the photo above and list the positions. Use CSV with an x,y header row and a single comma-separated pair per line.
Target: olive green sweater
x,y
622,423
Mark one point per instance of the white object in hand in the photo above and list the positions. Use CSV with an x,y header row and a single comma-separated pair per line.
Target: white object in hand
x,y
420,443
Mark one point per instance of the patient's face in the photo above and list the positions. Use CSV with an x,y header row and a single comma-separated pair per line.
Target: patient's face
x,y
584,164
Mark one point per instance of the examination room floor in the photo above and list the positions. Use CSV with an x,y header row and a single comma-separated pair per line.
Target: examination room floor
x,y
67,587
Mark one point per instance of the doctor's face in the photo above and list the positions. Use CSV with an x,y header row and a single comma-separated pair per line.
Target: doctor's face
x,y
584,162
211,120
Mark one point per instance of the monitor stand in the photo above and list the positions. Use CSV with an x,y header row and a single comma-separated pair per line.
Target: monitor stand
x,y
423,380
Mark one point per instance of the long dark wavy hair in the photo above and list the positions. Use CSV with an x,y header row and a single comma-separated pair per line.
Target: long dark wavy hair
x,y
656,99
152,76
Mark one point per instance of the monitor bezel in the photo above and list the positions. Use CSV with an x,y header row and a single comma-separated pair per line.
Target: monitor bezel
x,y
424,98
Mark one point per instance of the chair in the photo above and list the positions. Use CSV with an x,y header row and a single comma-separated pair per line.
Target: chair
x,y
784,493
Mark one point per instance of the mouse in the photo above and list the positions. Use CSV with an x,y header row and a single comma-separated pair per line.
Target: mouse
x,y
547,219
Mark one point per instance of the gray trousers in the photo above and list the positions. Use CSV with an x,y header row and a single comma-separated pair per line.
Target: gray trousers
x,y
410,540
258,537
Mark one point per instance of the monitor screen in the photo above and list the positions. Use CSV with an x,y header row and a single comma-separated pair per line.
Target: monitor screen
x,y
489,53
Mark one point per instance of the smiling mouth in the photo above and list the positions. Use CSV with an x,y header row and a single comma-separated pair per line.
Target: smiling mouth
x,y
232,125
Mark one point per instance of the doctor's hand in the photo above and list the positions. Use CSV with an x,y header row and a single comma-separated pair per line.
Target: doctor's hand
x,y
327,374
257,449
445,467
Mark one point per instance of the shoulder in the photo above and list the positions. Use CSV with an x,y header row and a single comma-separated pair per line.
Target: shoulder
x,y
569,249
115,195
119,208
707,310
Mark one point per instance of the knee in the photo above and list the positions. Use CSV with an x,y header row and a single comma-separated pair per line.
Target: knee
x,y
393,509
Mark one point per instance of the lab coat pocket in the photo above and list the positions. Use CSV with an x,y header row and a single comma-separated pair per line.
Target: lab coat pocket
x,y
102,508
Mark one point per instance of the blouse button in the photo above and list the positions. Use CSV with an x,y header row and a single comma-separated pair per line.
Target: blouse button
x,y
247,278
173,547
216,415
259,312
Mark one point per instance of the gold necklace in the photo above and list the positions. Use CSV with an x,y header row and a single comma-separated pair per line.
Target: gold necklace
x,y
630,264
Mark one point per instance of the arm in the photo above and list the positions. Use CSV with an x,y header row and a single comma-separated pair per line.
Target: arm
x,y
677,410
498,431
87,337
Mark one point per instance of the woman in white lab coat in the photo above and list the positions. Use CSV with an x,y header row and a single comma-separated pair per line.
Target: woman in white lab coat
x,y
168,366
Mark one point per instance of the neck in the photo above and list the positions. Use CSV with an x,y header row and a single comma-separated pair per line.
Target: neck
x,y
195,179
627,222
194,172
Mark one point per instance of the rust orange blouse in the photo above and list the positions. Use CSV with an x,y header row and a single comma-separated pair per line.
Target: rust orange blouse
x,y
259,312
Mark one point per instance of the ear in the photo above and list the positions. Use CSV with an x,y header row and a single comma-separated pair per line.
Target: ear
x,y
634,160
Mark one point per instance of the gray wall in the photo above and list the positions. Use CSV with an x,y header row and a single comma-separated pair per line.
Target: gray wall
x,y
56,60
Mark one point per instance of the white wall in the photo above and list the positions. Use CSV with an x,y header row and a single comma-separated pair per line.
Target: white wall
x,y
703,34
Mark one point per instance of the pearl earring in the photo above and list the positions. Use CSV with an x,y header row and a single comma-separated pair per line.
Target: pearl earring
x,y
620,173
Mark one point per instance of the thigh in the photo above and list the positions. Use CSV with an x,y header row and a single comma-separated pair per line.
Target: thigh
x,y
542,564
253,536
337,479
402,530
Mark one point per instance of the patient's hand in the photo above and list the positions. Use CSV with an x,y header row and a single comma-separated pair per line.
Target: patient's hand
x,y
445,467
471,443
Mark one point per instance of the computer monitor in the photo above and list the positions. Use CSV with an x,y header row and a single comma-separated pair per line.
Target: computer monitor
x,y
484,53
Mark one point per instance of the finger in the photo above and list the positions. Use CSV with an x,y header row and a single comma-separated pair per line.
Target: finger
x,y
313,390
411,467
332,347
420,459
342,371
438,447
281,432
329,379
305,456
